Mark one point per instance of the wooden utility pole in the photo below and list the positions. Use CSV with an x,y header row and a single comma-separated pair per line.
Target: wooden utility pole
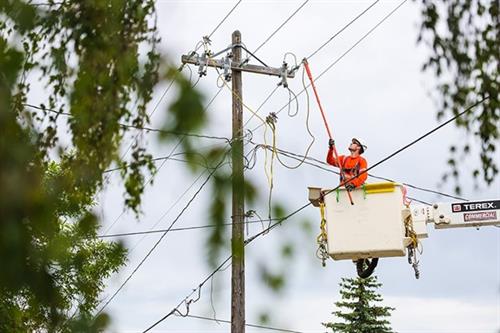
x,y
237,66
237,241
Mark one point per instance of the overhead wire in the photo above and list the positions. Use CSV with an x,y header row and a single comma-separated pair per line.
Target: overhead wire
x,y
246,324
158,130
269,173
254,114
325,166
276,31
262,104
184,209
143,128
270,226
147,232
342,29
281,220
468,109
179,142
248,241
167,90
169,209
224,19
344,54
317,50
168,157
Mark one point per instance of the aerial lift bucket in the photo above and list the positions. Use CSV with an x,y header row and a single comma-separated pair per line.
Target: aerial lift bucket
x,y
381,223
371,228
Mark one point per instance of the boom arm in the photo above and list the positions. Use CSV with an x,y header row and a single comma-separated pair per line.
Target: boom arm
x,y
459,214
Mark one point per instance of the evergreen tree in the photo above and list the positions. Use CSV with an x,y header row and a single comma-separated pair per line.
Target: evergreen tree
x,y
358,309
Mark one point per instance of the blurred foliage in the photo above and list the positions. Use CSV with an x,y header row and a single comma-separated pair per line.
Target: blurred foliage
x,y
358,309
94,65
97,61
264,318
462,36
274,280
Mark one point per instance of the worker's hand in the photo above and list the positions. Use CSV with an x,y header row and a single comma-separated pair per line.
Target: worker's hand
x,y
350,187
331,143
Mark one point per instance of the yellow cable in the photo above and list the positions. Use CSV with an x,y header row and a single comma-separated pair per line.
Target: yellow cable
x,y
322,239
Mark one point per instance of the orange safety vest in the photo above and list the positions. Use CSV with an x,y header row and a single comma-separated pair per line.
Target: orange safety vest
x,y
351,166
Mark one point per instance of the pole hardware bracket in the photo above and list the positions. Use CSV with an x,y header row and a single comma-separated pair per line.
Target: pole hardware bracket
x,y
202,64
227,66
284,75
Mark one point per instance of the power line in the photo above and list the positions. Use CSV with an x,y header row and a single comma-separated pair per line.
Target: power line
x,y
182,65
46,109
340,57
165,160
187,301
203,136
262,44
265,231
178,229
341,30
224,19
278,29
299,157
249,325
316,51
143,128
208,226
196,49
280,221
262,104
179,198
162,236
427,134
165,93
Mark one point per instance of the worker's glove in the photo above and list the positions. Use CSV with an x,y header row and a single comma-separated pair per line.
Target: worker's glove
x,y
331,143
350,187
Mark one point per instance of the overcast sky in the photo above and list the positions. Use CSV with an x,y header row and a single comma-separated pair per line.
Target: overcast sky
x,y
376,93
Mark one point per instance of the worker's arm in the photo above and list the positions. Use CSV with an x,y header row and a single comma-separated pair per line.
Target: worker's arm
x,y
361,179
330,159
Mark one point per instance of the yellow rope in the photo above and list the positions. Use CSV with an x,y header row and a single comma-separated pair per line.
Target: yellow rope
x,y
410,231
322,239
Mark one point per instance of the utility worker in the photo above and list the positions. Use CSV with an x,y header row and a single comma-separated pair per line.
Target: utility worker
x,y
352,165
